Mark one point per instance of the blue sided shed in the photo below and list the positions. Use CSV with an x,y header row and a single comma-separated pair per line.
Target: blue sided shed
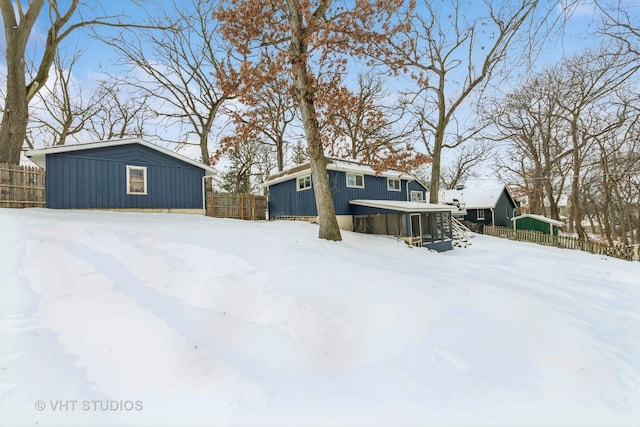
x,y
124,175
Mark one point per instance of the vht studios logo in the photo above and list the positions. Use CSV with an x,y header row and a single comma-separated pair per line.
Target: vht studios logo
x,y
89,405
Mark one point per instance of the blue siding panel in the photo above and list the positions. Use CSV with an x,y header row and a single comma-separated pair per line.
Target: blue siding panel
x,y
284,200
96,179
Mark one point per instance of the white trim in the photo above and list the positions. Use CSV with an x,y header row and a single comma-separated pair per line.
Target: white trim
x,y
38,156
144,177
390,180
419,226
303,177
478,216
355,175
402,206
539,218
338,166
415,192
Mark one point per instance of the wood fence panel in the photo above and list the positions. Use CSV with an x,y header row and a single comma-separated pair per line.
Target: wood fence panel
x,y
630,253
240,206
21,186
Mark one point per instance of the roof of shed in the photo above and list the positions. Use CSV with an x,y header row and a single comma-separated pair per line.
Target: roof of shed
x,y
540,218
335,165
402,206
38,156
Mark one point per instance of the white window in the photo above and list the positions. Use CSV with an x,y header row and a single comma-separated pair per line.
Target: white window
x,y
417,196
480,214
355,180
393,184
304,183
136,180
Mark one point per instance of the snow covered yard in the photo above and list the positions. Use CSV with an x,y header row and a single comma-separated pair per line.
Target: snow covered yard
x,y
149,319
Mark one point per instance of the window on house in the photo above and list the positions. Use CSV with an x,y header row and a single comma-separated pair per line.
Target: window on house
x,y
393,184
417,196
304,183
136,180
480,214
355,180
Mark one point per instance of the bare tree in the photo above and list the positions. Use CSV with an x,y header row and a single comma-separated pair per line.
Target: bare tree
x,y
20,87
465,164
122,112
451,54
530,123
621,21
185,67
268,116
294,35
591,78
62,110
250,164
364,125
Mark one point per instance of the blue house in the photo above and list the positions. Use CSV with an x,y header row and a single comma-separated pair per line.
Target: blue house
x,y
391,202
483,203
127,174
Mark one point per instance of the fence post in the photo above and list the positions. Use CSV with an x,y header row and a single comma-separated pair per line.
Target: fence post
x,y
253,208
636,252
213,204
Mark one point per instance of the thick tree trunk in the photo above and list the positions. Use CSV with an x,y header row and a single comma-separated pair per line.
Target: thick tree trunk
x,y
436,159
436,155
204,149
15,117
328,224
576,203
280,154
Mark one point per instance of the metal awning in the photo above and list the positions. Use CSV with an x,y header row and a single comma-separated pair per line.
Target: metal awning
x,y
403,206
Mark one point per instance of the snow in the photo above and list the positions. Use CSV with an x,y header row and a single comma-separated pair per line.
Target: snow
x,y
540,218
165,319
475,194
351,166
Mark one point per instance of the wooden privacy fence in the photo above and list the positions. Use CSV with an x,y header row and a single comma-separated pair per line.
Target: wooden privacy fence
x,y
630,253
241,206
21,186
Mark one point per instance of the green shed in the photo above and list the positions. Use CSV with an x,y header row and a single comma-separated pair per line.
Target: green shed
x,y
538,223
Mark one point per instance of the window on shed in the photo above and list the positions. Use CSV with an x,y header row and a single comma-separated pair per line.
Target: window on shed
x,y
480,215
136,180
355,180
304,183
393,184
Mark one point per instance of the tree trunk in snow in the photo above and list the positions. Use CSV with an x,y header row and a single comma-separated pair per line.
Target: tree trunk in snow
x,y
328,223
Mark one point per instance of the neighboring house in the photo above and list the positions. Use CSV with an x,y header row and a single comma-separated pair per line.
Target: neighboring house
x,y
485,203
563,206
538,223
123,175
391,203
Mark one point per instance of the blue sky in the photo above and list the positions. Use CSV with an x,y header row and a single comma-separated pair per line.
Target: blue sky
x,y
577,34
97,58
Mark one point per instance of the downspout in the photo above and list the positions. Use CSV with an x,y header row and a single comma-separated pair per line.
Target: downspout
x,y
407,185
493,217
407,214
204,196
